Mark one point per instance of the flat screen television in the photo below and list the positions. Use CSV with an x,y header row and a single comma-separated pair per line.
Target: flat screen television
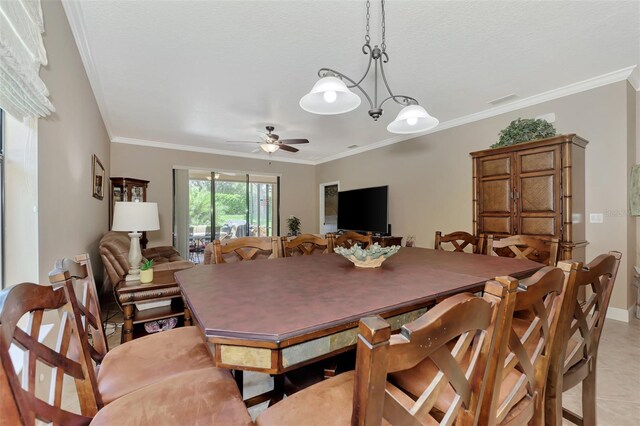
x,y
364,210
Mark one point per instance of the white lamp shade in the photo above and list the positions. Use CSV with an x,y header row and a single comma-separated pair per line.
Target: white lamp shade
x,y
269,147
135,217
330,96
412,119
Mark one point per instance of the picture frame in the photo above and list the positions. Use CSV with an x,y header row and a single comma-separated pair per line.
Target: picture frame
x,y
97,180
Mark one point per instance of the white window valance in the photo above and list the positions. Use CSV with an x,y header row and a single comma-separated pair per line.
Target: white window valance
x,y
22,92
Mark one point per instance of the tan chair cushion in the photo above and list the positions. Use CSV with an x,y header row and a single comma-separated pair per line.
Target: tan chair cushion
x,y
202,397
326,403
150,359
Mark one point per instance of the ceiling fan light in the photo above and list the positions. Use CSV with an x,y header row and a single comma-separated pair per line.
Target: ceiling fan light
x,y
412,119
330,96
269,147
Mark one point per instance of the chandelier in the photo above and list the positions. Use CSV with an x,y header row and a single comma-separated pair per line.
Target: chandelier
x,y
331,95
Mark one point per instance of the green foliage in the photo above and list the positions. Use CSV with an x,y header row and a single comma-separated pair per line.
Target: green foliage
x,y
147,264
230,202
293,223
525,130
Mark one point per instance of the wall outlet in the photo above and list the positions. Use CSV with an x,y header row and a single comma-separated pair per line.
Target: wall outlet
x,y
596,218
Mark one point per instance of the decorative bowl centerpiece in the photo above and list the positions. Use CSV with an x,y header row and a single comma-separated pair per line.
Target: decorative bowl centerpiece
x,y
369,258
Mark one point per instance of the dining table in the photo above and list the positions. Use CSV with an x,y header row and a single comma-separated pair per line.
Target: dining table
x,y
277,315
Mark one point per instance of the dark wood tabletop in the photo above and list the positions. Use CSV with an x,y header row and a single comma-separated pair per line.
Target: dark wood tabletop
x,y
274,301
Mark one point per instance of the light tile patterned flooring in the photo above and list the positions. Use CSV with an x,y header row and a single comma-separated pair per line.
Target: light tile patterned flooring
x,y
618,389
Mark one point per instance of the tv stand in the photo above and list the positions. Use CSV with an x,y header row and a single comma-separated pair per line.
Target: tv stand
x,y
387,241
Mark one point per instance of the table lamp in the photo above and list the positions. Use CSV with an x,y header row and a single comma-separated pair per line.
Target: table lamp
x,y
134,217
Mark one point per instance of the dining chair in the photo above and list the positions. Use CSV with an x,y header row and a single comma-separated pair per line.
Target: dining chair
x,y
516,385
575,354
245,248
350,238
137,363
307,244
524,247
195,397
523,360
459,240
462,327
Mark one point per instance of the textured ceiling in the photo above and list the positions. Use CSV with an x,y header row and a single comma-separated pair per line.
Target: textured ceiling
x,y
197,73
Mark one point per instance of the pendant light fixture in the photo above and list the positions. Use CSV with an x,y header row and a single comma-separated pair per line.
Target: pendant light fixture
x,y
331,95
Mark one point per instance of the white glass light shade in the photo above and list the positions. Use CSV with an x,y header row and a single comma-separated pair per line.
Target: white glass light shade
x,y
135,216
412,119
269,147
330,96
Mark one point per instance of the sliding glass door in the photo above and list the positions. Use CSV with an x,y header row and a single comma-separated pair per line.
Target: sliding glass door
x,y
224,206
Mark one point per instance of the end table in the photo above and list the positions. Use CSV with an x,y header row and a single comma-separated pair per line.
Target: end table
x,y
163,287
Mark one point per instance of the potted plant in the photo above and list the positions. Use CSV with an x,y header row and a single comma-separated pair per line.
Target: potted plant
x,y
146,271
293,223
524,130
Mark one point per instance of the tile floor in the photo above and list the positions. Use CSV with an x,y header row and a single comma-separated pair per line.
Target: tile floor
x,y
618,400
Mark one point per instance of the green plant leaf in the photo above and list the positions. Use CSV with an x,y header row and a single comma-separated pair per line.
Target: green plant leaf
x,y
524,130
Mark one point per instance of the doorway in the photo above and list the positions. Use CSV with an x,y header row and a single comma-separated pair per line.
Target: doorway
x,y
329,207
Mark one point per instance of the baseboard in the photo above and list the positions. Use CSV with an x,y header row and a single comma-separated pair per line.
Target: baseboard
x,y
619,314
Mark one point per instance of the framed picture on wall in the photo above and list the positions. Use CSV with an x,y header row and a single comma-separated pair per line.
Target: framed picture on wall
x,y
98,178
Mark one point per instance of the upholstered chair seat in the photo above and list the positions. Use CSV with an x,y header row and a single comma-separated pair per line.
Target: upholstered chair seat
x,y
151,359
200,397
333,397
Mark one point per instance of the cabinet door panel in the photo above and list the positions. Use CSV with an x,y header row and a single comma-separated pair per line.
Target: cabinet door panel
x,y
496,225
495,166
538,226
538,192
496,196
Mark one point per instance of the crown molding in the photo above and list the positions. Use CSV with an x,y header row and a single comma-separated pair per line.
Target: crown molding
x,y
191,148
75,18
634,78
581,86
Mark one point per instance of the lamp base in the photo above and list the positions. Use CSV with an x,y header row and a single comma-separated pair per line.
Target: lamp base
x,y
133,275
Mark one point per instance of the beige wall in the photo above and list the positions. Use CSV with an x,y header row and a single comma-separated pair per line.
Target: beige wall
x,y
429,177
297,182
71,221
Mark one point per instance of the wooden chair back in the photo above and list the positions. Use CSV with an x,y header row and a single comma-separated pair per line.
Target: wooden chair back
x,y
575,351
458,335
523,247
86,293
350,238
307,244
459,240
245,248
523,360
21,402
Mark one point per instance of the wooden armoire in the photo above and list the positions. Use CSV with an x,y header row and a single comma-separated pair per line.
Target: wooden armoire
x,y
533,188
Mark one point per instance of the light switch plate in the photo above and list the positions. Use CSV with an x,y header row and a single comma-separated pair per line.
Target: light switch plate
x,y
596,218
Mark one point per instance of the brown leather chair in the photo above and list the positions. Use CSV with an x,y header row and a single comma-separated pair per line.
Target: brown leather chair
x,y
114,251
349,239
524,247
242,249
575,353
459,240
138,363
196,397
461,327
307,244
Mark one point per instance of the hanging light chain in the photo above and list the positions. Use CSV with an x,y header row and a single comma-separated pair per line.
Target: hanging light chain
x,y
383,46
367,39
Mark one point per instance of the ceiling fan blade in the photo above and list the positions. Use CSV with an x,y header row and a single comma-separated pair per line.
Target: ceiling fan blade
x,y
288,148
243,142
294,141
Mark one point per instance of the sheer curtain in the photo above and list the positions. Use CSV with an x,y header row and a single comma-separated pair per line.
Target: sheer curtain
x,y
181,211
22,93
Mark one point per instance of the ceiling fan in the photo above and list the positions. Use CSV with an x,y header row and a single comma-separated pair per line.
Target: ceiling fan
x,y
272,142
